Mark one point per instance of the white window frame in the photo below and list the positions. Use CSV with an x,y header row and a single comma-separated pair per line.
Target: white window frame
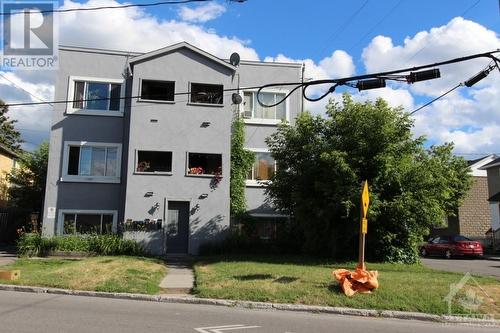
x,y
167,173
254,182
60,217
110,113
264,121
91,179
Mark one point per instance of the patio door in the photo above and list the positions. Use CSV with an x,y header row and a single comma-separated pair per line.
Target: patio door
x,y
177,227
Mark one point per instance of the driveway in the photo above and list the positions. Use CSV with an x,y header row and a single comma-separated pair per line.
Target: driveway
x,y
486,267
7,255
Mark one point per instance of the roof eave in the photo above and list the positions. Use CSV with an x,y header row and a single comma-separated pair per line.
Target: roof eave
x,y
178,46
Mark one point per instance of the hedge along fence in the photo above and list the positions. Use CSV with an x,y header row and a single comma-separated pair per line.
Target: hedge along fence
x,y
36,245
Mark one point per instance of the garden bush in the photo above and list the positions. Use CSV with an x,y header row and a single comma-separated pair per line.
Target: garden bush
x,y
36,245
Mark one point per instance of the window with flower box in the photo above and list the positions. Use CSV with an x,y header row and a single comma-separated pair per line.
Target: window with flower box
x,y
204,164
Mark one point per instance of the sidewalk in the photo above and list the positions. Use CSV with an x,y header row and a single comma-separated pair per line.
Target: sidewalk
x,y
7,254
180,276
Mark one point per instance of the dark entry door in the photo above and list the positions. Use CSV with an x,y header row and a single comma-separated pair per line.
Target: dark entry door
x,y
177,227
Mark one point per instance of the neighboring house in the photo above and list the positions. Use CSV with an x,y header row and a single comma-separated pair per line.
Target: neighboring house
x,y
473,217
143,143
493,171
8,161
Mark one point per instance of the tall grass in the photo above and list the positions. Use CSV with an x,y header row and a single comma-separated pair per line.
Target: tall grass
x,y
36,245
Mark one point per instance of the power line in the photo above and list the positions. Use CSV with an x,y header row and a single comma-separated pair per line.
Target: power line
x,y
381,76
343,26
114,98
463,13
375,25
390,75
435,99
133,5
21,88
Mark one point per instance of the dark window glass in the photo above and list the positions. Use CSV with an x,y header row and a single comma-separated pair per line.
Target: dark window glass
x,y
88,224
154,161
79,93
205,164
114,101
96,96
74,160
107,224
158,90
69,224
207,93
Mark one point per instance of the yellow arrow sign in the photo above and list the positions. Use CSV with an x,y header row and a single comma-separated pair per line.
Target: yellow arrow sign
x,y
365,198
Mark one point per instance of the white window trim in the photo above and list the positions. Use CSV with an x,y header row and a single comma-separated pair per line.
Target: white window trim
x,y
206,104
90,179
60,222
159,101
263,121
205,175
165,173
89,112
258,183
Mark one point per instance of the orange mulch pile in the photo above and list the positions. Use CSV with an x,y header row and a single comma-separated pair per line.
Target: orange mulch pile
x,y
359,281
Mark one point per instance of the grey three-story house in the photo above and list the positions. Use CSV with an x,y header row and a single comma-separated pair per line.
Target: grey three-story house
x,y
143,144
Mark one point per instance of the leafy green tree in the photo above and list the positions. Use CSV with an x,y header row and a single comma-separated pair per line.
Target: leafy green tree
x,y
28,180
9,137
241,164
323,161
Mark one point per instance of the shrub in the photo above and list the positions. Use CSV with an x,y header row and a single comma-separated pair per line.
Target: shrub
x,y
36,245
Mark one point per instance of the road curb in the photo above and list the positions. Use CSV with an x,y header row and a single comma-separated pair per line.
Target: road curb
x,y
445,319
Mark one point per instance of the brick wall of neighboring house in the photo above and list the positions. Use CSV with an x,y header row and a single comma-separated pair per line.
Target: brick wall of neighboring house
x,y
474,213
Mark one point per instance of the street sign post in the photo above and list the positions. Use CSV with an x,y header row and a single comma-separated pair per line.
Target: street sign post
x,y
363,226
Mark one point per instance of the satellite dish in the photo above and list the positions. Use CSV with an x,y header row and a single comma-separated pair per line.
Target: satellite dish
x,y
234,59
236,98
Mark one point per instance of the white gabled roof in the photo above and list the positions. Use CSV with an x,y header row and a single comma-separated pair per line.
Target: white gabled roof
x,y
476,166
178,46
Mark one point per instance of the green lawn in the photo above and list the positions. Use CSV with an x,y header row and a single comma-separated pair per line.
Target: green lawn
x,y
112,274
301,281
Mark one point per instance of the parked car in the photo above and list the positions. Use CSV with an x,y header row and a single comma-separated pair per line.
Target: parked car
x,y
449,246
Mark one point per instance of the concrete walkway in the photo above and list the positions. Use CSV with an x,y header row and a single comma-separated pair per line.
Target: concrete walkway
x,y
7,254
180,276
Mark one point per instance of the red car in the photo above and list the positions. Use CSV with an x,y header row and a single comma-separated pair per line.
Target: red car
x,y
449,246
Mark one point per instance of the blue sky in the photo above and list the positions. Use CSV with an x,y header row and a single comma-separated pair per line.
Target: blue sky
x,y
332,38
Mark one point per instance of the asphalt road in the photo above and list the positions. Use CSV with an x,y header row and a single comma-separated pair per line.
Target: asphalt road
x,y
486,267
28,312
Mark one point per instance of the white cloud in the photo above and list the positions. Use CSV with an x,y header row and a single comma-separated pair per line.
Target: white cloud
x,y
202,13
469,117
33,121
458,38
135,30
